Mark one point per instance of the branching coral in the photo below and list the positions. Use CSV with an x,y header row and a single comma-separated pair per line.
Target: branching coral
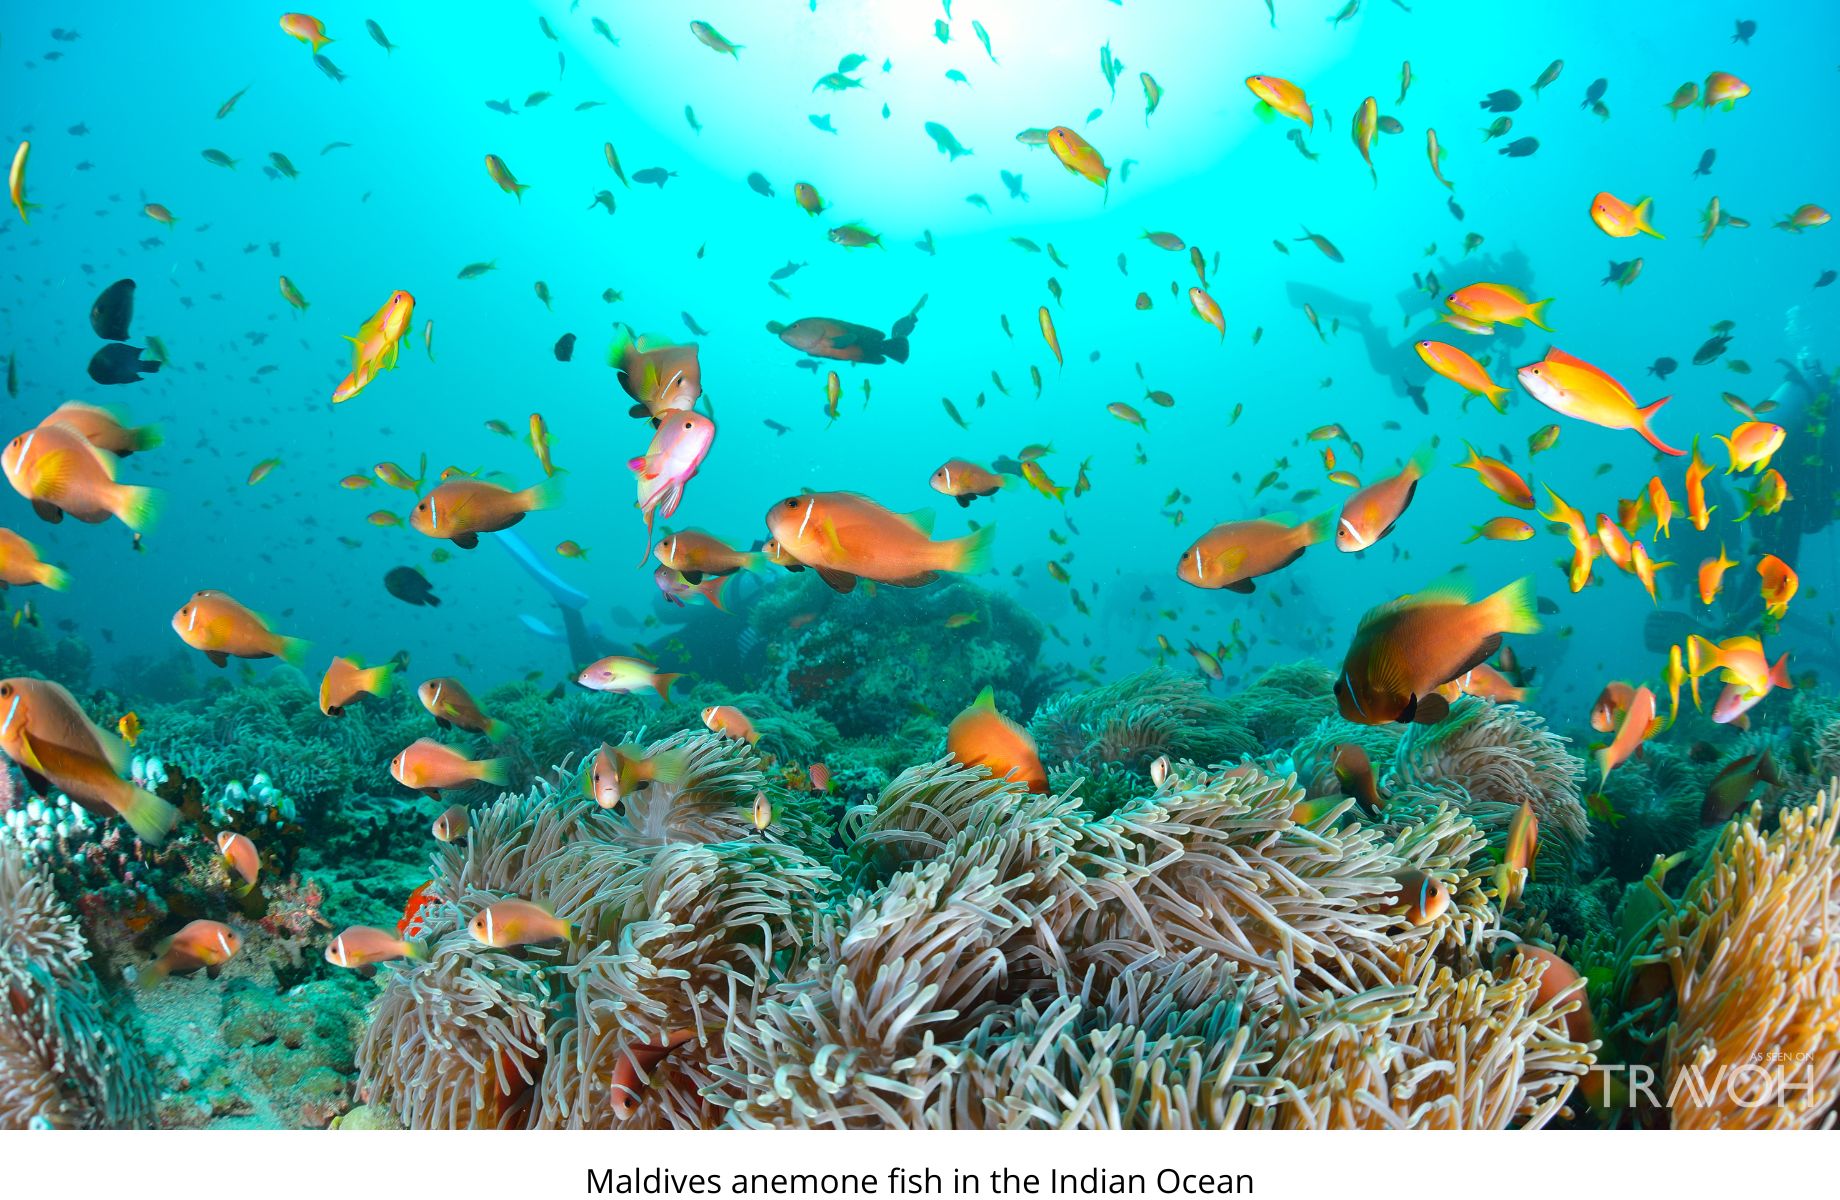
x,y
1500,755
66,1060
1752,960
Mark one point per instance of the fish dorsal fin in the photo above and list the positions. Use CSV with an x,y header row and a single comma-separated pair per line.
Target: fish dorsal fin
x,y
922,519
986,699
1563,359
1443,591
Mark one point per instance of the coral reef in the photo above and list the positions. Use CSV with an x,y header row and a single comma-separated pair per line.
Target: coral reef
x,y
67,1060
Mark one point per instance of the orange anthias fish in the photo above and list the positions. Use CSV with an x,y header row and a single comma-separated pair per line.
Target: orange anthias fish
x,y
1464,371
450,704
1584,542
215,623
1619,219
1404,651
347,679
378,345
461,509
1498,477
1079,157
1234,553
1712,575
1615,543
1485,681
1366,124
846,537
60,472
617,673
1752,445
1281,95
1779,585
1638,723
1371,513
200,946
1497,303
57,747
359,946
1722,87
982,736
1697,471
1743,667
1575,388
518,923
963,480
306,29
427,766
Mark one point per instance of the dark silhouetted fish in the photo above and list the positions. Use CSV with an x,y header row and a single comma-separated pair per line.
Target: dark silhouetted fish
x,y
565,347
1595,92
787,271
1711,349
1745,31
1705,163
113,311
1661,368
119,362
655,175
411,587
759,183
1520,147
1504,101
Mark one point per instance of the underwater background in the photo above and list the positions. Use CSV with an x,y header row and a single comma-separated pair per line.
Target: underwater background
x,y
384,190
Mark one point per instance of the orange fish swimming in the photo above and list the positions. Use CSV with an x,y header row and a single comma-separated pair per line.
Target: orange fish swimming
x,y
1620,219
1281,95
1522,849
200,946
1464,371
1079,156
518,923
616,772
427,766
347,679
730,721
1779,582
450,704
1498,477
21,566
1575,388
58,748
1637,721
461,509
696,556
1497,303
1234,553
359,946
963,480
240,856
1752,445
982,736
846,537
1403,651
104,429
217,624
1371,513
60,472
1712,575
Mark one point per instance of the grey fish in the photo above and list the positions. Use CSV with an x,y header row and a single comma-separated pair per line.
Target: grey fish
x,y
655,175
1705,163
1826,278
1520,147
501,106
565,347
786,272
942,138
823,122
604,199
1595,92
377,35
1501,102
759,183
692,326
1745,31
1663,367
329,67
1013,182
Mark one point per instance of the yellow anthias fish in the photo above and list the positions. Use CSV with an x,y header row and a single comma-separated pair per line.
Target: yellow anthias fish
x,y
1458,367
1752,445
1576,388
1208,309
1049,336
16,182
305,29
1079,156
1366,124
1620,219
1492,303
1584,543
1281,95
1712,575
1779,582
1697,510
502,176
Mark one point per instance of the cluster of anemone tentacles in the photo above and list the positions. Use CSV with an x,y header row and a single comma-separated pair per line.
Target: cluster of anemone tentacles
x,y
957,953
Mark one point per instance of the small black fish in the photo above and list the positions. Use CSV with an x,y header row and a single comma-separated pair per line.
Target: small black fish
x,y
1520,147
1595,92
501,106
776,427
1711,349
78,130
692,326
329,67
1826,278
1504,101
1456,210
1546,607
1744,32
119,362
1418,398
759,183
113,310
411,587
565,347
787,271
1705,163
655,175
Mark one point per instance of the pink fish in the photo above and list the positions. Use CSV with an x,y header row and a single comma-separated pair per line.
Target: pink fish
x,y
677,450
675,587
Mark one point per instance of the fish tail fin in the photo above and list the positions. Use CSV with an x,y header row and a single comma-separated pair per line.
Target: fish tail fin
x,y
712,591
1537,314
1421,461
1731,450
55,578
972,552
544,495
151,817
1643,417
138,507
664,681
1513,608
379,680
1703,657
415,949
496,730
146,437
1498,396
896,348
291,650
496,771
1779,674
1318,529
1643,211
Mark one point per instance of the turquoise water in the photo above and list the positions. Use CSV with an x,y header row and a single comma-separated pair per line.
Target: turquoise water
x,y
408,203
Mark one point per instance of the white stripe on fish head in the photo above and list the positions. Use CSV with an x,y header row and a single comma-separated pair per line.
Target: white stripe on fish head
x,y
810,506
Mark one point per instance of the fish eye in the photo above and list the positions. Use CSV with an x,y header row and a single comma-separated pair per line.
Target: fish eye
x,y
689,424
